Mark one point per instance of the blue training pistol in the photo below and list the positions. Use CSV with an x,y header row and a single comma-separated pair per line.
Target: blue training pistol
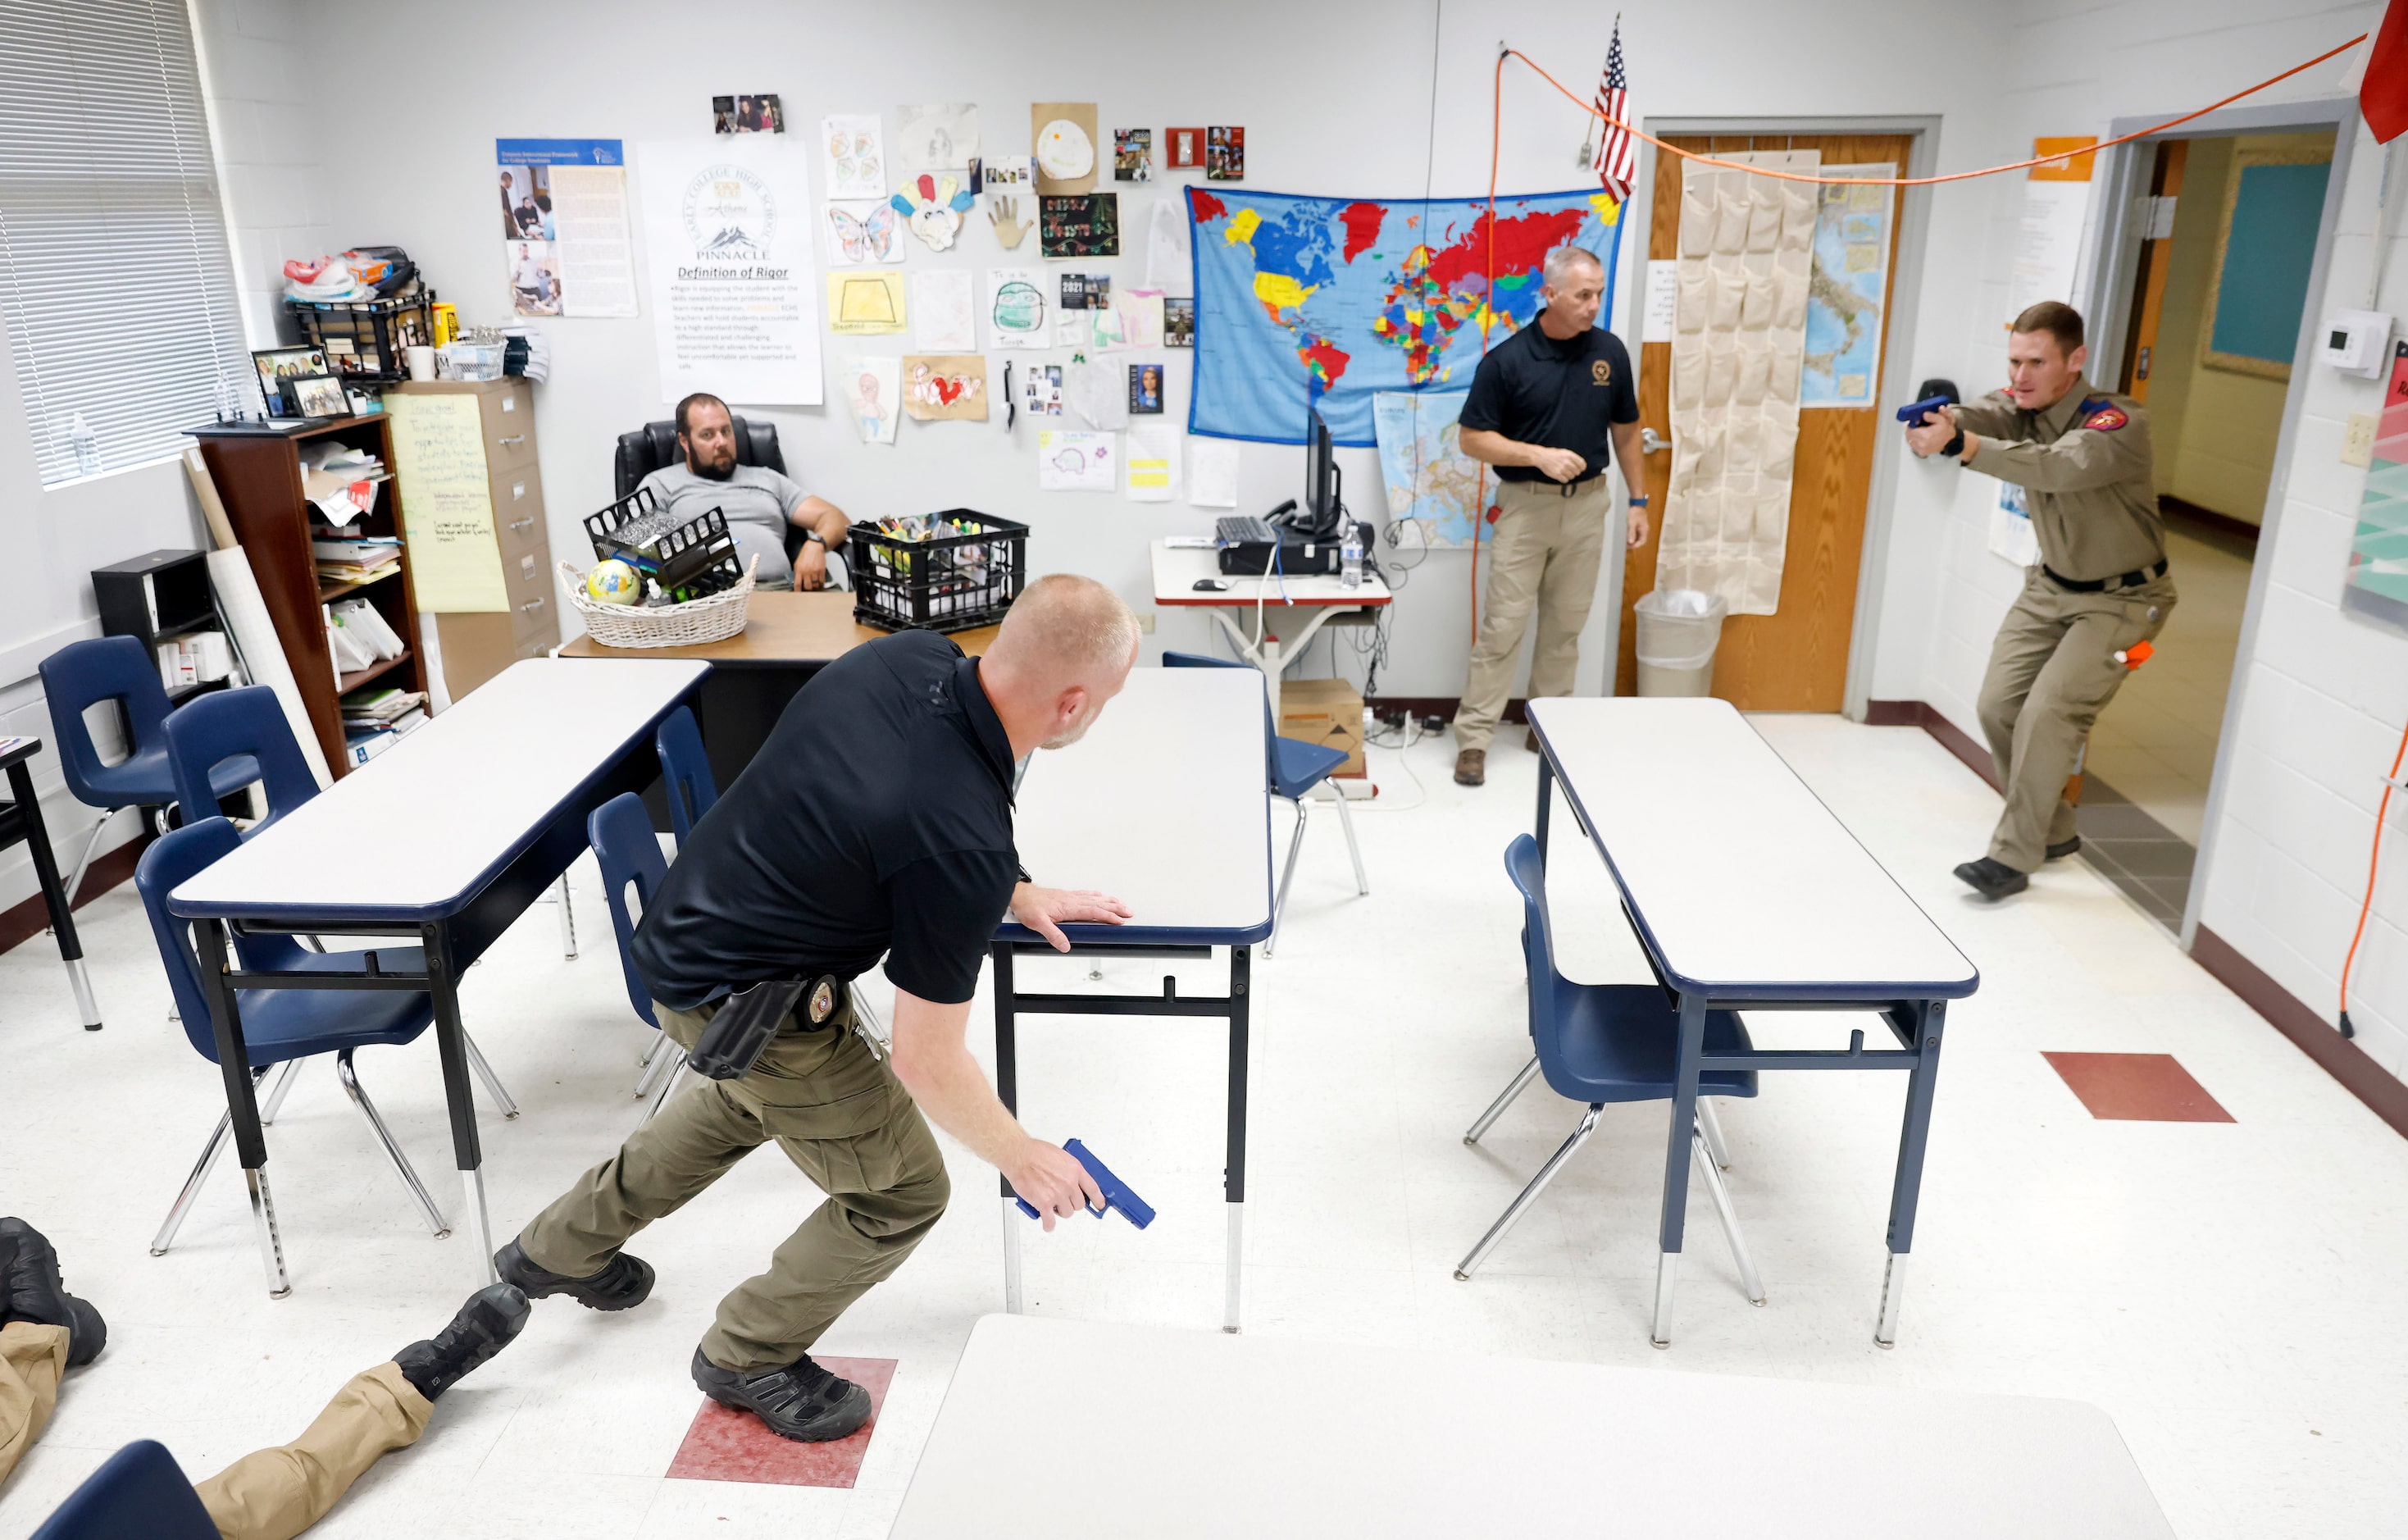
x,y
1913,415
1116,1193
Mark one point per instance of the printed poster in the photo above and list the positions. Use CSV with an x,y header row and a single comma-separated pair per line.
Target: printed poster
x,y
734,297
564,228
2048,242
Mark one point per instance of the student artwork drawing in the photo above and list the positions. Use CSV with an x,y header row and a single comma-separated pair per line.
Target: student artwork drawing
x,y
1064,136
873,388
945,388
1009,182
1071,461
864,231
944,314
935,207
1016,309
857,158
935,137
864,303
1086,226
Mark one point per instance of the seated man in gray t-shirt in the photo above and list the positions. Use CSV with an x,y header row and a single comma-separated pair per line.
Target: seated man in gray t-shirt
x,y
758,502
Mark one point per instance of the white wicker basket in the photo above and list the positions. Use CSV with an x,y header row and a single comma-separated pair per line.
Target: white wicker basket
x,y
688,625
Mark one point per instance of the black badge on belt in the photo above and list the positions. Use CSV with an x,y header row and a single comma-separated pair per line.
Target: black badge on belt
x,y
1600,372
823,1000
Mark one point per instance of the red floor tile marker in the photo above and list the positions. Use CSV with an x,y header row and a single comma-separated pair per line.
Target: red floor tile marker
x,y
2137,1087
731,1446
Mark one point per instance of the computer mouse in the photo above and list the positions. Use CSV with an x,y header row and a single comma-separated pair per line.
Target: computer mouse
x,y
1211,585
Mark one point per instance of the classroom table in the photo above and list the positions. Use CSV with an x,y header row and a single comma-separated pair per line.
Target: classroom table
x,y
21,818
788,637
448,836
1171,1434
1176,569
1164,804
1748,895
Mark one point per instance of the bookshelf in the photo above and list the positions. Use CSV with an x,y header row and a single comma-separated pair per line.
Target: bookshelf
x,y
258,473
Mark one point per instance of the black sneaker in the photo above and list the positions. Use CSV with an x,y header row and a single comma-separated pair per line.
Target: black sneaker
x,y
2060,851
30,1289
1993,880
624,1283
799,1401
484,1326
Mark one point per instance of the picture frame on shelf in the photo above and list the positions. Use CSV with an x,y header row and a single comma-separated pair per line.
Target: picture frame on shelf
x,y
314,395
277,365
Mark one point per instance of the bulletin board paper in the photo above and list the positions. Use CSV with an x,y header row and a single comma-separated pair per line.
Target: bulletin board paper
x,y
447,505
2048,240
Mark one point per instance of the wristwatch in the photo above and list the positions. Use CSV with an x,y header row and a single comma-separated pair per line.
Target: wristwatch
x,y
814,535
1638,502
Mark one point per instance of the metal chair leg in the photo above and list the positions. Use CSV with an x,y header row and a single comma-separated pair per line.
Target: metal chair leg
x,y
656,1064
1529,1194
651,1052
84,862
493,1082
209,1153
1354,851
668,1084
567,920
350,1077
80,980
1504,1100
1711,1126
1748,1280
275,1102
1288,876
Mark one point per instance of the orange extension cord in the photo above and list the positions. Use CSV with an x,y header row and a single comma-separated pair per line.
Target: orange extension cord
x,y
1496,123
2374,856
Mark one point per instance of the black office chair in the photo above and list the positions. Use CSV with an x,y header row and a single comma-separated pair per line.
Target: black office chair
x,y
655,445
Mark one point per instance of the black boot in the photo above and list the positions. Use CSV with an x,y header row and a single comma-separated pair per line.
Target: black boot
x,y
1993,880
799,1401
2062,849
484,1326
30,1289
624,1283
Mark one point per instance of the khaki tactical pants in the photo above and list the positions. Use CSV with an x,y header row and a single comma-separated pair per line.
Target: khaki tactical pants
x,y
2052,670
1546,552
271,1494
838,1113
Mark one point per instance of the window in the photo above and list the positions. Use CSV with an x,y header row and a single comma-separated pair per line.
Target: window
x,y
116,281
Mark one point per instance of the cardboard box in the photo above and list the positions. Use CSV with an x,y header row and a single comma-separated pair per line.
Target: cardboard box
x,y
1327,712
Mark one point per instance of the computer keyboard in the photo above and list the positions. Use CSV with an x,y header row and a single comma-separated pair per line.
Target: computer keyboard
x,y
1244,531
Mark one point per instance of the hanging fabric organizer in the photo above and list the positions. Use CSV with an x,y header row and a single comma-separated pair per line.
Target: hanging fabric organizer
x,y
1746,256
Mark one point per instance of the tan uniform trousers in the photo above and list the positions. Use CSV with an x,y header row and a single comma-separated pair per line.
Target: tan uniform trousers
x,y
2052,668
269,1494
1546,553
840,1115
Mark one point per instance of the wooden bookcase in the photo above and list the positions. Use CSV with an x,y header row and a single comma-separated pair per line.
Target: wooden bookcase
x,y
258,476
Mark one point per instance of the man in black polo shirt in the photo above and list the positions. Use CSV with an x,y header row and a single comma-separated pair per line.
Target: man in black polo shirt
x,y
1542,408
874,821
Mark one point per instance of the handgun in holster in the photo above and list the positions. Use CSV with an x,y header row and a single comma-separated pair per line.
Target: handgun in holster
x,y
739,1032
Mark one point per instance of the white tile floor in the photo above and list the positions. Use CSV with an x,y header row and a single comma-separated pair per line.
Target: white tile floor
x,y
2227,1292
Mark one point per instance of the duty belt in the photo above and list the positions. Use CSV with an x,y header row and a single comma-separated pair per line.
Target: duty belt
x,y
2100,586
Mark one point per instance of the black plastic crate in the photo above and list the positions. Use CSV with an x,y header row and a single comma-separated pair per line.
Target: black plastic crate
x,y
688,558
948,572
373,336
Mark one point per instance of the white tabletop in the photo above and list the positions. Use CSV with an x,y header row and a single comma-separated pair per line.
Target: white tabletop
x,y
421,826
1741,879
1175,573
1070,1430
1164,804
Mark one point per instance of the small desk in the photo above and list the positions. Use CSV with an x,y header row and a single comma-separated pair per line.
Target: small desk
x,y
1175,1434
1190,855
790,636
22,819
1175,572
1748,895
458,827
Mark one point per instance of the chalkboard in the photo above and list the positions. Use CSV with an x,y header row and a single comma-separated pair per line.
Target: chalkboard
x,y
2265,247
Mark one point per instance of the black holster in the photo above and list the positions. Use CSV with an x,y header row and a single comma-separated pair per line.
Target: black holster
x,y
739,1032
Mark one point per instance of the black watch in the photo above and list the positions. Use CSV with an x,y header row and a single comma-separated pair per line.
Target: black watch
x,y
1956,446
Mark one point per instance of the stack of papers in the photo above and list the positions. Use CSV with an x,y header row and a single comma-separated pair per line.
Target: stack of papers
x,y
380,706
359,636
340,481
356,560
527,353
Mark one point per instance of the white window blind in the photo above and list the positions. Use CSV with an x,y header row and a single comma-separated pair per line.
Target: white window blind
x,y
115,280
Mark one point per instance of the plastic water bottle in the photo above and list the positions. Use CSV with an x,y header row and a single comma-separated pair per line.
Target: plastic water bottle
x,y
1349,557
86,445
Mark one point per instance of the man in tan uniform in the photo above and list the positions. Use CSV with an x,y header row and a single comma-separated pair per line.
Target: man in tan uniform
x,y
2083,459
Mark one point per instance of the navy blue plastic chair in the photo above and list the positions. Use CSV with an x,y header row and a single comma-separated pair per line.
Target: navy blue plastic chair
x,y
227,732
685,772
279,1026
629,853
84,674
1601,1043
139,1493
1295,767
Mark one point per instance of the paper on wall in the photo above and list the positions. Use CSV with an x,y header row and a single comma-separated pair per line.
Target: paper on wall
x,y
1097,393
1141,317
1166,266
950,388
1010,182
2048,241
873,388
935,137
1152,464
1064,134
1017,307
862,232
1663,298
580,242
447,503
1071,461
944,316
1212,472
727,225
853,149
865,302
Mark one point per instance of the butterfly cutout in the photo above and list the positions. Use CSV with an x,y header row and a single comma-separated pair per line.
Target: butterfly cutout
x,y
870,239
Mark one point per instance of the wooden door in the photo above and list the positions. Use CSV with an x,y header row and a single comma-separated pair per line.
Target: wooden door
x,y
2156,260
1797,658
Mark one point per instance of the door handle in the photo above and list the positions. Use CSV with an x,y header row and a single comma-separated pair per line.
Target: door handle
x,y
1649,443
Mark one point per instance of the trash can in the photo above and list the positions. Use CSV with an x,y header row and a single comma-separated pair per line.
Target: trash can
x,y
1678,631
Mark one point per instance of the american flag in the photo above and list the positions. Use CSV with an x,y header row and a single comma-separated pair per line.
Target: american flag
x,y
1617,159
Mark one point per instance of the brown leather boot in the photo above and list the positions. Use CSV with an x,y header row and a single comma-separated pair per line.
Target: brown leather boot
x,y
1530,740
1471,768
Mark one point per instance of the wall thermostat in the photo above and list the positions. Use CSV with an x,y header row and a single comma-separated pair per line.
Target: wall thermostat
x,y
2358,342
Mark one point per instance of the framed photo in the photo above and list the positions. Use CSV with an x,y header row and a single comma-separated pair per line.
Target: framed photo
x,y
277,365
1178,322
758,113
1182,149
1224,154
316,395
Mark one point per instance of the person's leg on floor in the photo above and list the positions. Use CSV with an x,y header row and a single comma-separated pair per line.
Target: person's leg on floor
x,y
1568,589
2080,676
2026,639
32,1360
1517,557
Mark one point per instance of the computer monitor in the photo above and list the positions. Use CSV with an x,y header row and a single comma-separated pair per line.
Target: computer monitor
x,y
1320,512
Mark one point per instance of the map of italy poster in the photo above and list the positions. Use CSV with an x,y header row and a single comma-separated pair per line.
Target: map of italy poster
x,y
1306,301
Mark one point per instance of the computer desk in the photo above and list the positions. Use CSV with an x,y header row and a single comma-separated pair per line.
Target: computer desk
x,y
1175,572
